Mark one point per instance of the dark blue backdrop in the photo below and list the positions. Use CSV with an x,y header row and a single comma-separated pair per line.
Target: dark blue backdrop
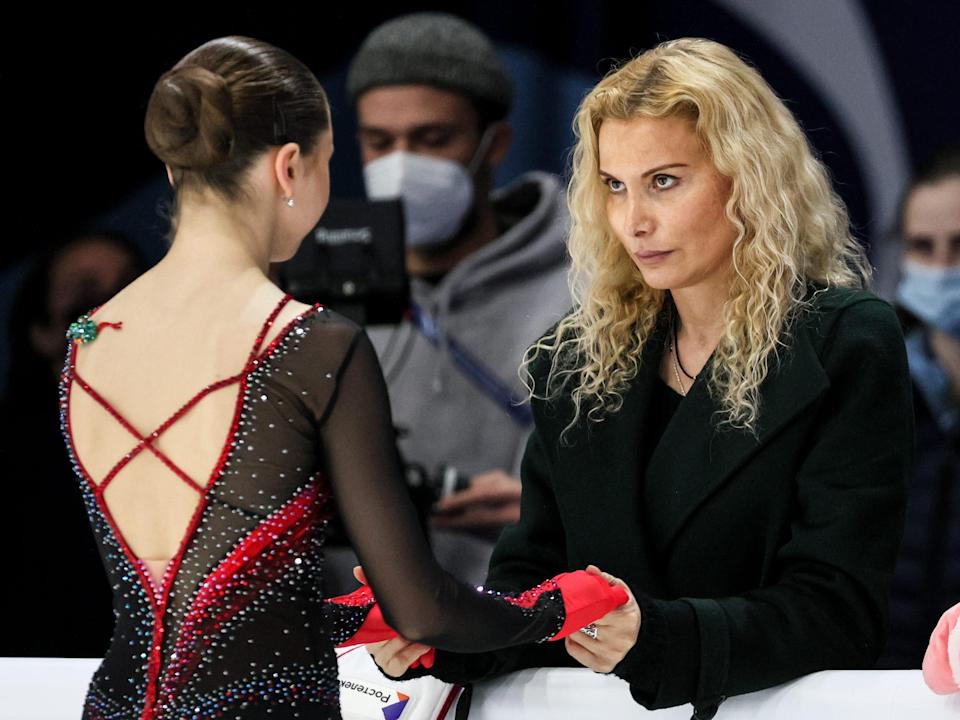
x,y
874,86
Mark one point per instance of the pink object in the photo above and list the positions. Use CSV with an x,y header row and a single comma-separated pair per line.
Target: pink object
x,y
941,663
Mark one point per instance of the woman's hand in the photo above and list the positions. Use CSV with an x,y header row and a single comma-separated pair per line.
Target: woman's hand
x,y
395,656
616,632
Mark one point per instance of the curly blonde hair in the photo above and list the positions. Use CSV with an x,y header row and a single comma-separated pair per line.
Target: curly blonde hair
x,y
792,229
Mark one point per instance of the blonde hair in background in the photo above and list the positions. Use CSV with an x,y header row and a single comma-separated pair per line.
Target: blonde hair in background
x,y
791,229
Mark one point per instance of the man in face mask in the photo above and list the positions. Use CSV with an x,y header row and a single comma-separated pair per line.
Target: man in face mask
x,y
927,577
488,267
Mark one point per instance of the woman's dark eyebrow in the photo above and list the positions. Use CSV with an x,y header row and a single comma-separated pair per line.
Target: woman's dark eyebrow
x,y
663,167
604,173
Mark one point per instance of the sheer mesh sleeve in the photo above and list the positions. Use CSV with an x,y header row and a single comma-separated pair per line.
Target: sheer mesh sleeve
x,y
417,598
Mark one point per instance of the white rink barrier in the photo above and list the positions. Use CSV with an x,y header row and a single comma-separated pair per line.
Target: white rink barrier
x,y
53,689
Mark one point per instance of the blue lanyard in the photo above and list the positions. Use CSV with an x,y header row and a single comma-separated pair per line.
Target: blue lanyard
x,y
517,408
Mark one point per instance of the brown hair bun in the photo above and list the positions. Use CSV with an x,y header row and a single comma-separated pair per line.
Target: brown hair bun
x,y
189,121
223,105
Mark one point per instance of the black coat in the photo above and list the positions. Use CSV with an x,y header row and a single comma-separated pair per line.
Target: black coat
x,y
755,560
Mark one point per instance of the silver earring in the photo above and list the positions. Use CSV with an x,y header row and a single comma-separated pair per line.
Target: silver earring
x,y
287,200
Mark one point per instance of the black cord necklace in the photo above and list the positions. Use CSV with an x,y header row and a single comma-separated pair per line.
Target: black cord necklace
x,y
676,346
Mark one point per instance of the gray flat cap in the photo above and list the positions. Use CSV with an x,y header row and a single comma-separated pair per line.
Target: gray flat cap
x,y
435,49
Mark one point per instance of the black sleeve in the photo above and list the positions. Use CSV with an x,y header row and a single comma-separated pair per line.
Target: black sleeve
x,y
418,599
532,549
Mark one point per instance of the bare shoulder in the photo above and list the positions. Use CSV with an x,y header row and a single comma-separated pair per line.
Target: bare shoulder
x,y
133,299
298,307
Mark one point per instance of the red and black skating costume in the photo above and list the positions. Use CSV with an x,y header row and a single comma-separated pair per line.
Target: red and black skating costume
x,y
238,627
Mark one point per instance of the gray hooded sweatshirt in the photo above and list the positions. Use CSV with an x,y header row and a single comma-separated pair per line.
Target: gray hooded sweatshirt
x,y
494,304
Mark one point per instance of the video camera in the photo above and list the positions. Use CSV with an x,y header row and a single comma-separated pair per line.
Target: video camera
x,y
353,262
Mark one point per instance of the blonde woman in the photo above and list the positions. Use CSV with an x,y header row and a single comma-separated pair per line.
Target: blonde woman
x,y
723,421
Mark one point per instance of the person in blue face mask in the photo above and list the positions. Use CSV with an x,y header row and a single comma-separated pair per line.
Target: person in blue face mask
x,y
488,267
927,577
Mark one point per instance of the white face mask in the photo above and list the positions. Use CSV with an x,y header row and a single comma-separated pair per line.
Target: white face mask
x,y
932,294
437,193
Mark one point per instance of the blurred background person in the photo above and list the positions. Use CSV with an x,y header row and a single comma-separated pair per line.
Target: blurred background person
x,y
488,267
927,579
65,281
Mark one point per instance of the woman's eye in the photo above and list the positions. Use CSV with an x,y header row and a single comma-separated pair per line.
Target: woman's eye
x,y
664,182
920,245
614,185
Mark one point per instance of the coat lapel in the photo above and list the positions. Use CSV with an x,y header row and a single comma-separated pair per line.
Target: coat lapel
x,y
604,467
692,459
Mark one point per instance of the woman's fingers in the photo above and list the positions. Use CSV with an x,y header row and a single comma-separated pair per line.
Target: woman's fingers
x,y
594,570
359,574
628,606
587,657
406,657
616,634
583,640
395,656
612,579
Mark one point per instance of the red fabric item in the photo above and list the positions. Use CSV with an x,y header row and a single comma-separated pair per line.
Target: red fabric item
x,y
586,598
374,628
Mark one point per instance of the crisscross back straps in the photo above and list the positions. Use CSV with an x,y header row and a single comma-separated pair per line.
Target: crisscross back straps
x,y
146,441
